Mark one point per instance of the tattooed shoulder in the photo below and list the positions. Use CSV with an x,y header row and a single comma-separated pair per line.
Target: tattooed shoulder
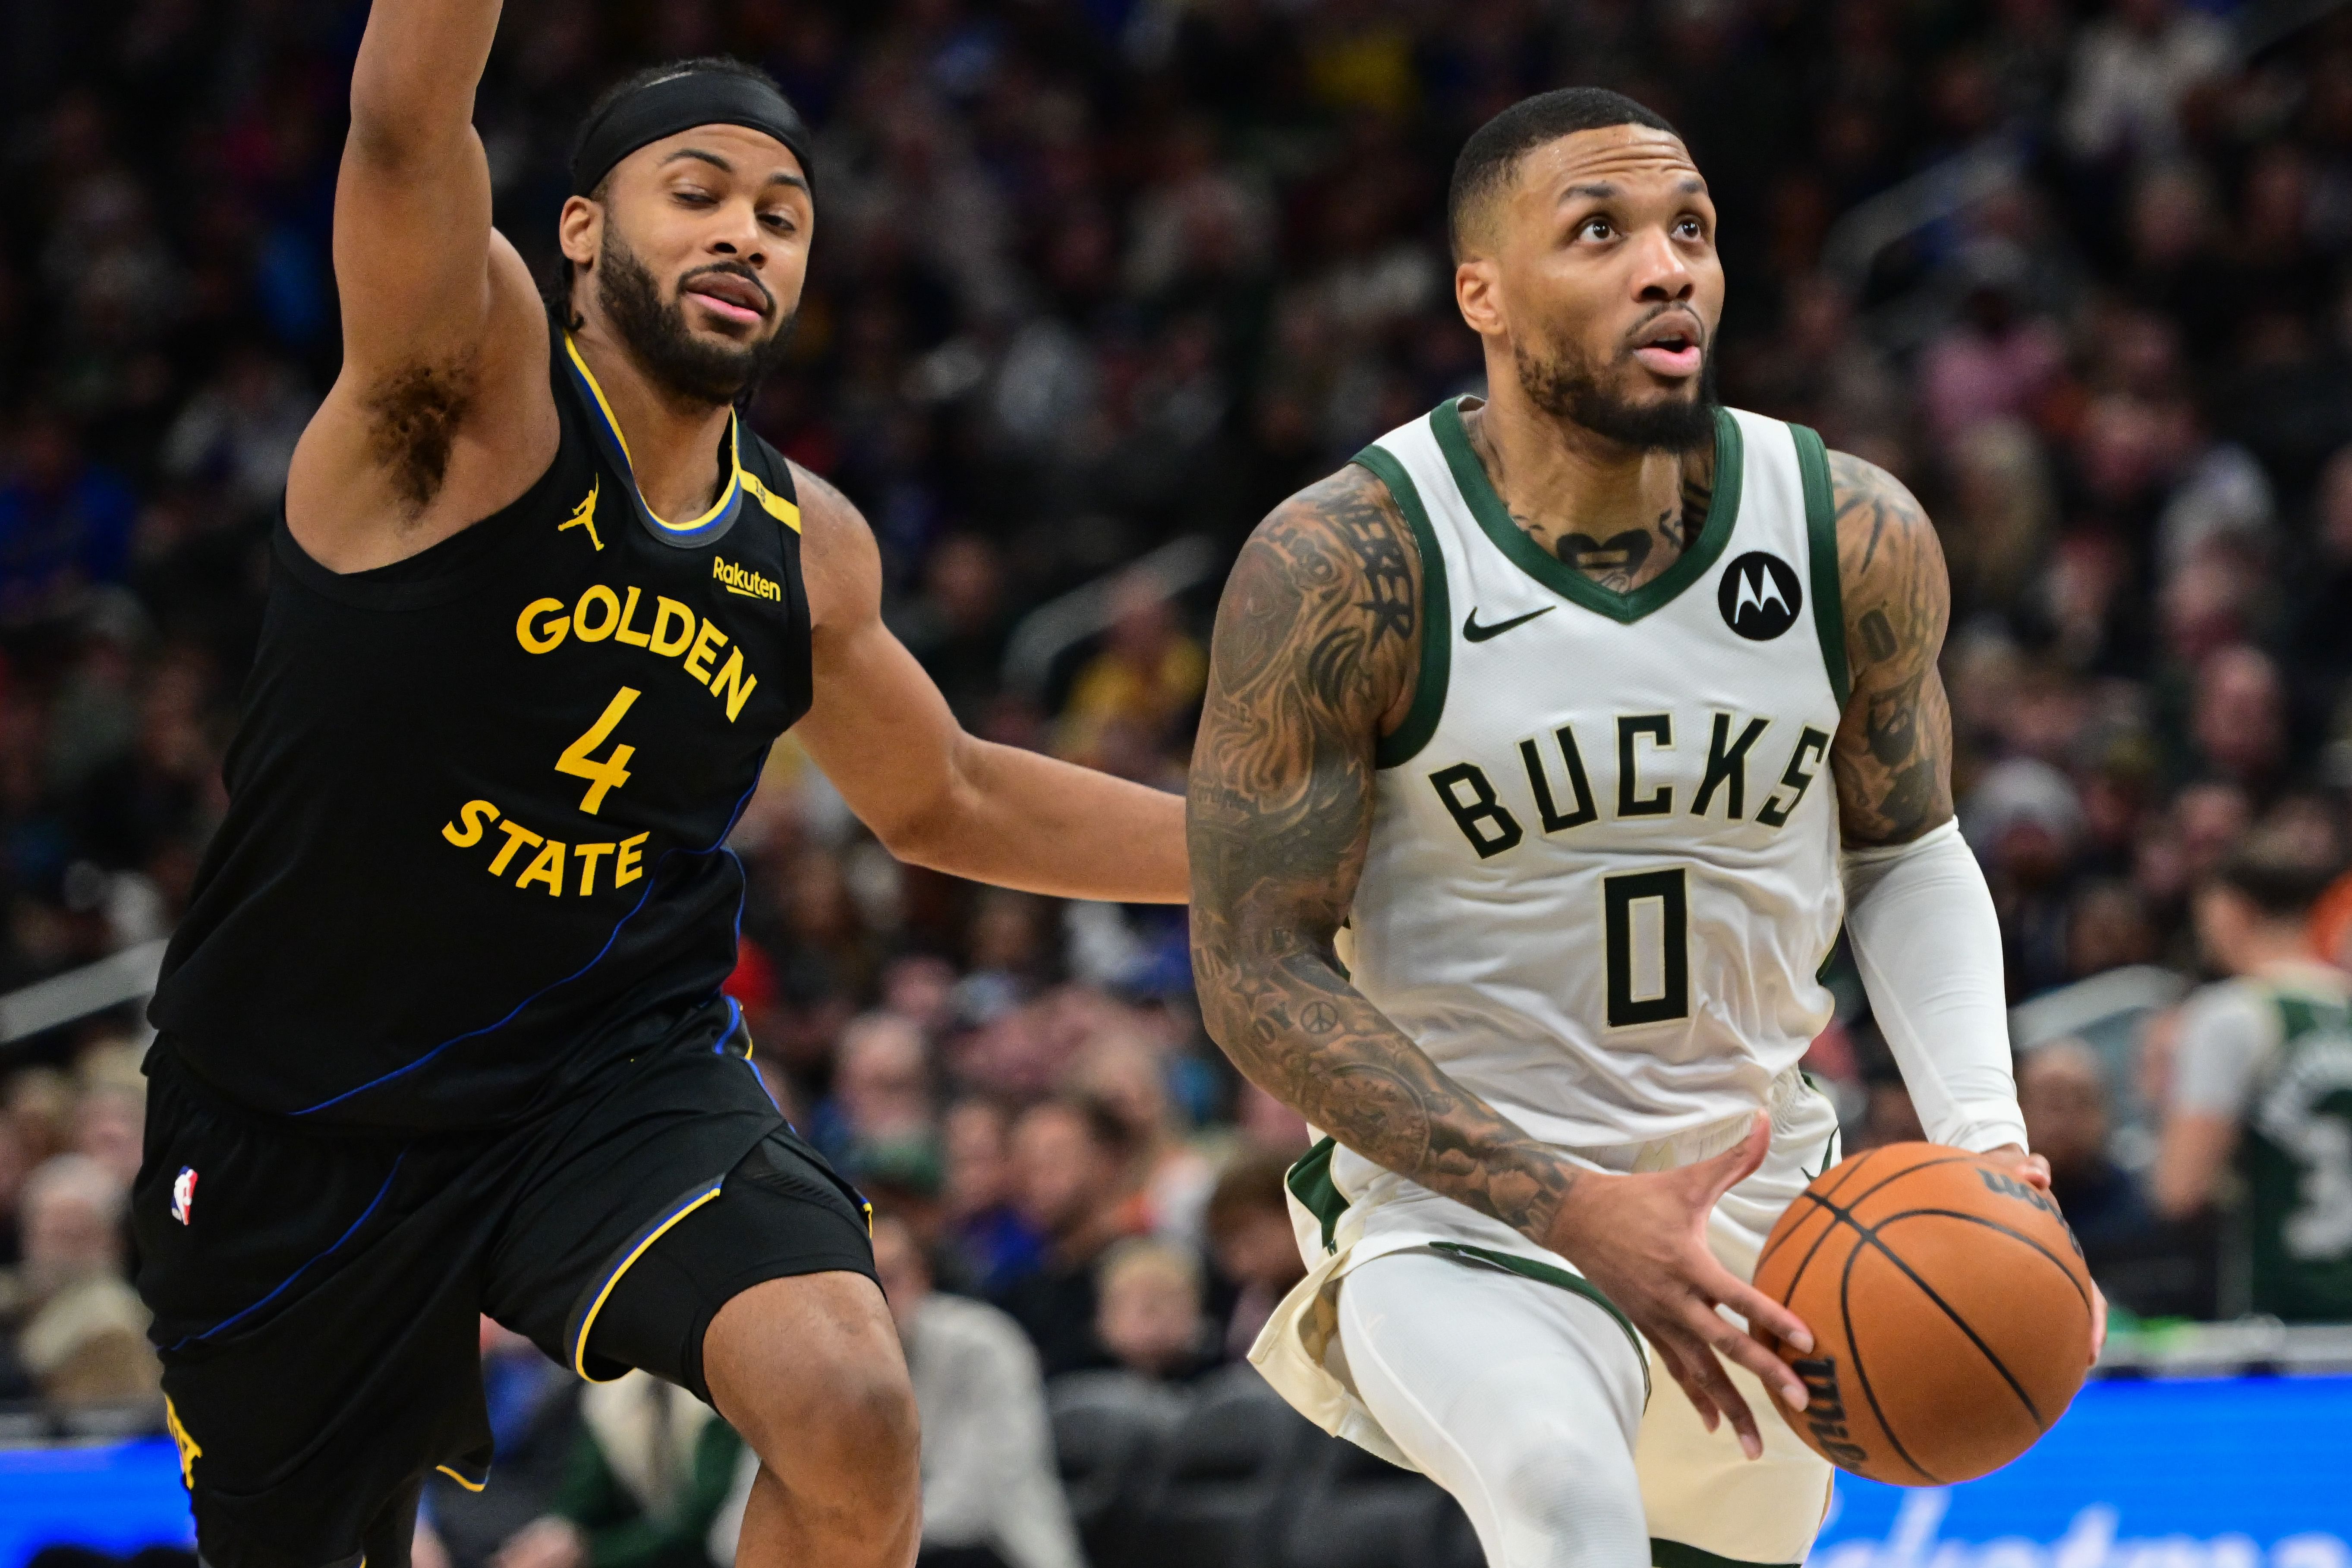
x,y
1331,585
1890,568
1893,751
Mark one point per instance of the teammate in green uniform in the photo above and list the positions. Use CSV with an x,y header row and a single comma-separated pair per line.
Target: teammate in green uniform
x,y
2262,1079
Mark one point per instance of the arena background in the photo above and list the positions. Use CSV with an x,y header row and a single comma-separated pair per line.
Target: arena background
x,y
1095,283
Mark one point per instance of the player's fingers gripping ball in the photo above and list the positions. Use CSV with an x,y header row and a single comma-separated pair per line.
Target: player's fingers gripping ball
x,y
1950,1313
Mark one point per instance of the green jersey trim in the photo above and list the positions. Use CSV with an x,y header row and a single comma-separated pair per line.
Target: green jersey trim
x,y
1470,477
1436,618
1820,531
1548,1274
1310,1183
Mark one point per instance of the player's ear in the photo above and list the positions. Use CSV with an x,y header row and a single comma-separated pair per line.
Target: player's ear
x,y
580,230
1477,293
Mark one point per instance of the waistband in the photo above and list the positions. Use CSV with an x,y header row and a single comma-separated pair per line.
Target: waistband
x,y
713,1026
1788,1099
173,1071
1781,1098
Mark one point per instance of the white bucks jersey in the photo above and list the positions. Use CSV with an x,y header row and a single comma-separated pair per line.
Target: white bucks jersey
x,y
1602,875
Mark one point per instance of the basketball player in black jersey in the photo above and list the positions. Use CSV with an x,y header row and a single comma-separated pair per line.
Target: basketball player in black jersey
x,y
443,1032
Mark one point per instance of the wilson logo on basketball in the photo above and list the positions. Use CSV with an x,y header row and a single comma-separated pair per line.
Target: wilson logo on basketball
x,y
1824,1412
2011,1187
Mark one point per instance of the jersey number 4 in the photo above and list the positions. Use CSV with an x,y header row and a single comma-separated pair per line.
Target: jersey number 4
x,y
1646,928
579,758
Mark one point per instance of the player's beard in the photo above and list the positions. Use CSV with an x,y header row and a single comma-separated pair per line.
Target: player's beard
x,y
655,332
1567,385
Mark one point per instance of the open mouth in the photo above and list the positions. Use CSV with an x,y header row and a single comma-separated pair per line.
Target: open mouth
x,y
730,296
1670,347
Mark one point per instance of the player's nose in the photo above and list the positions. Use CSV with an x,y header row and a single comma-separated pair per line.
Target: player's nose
x,y
1659,271
736,233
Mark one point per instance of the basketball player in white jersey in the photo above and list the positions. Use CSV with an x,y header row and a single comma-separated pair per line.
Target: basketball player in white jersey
x,y
1547,746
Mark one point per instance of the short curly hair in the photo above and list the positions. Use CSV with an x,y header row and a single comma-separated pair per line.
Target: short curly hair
x,y
1492,155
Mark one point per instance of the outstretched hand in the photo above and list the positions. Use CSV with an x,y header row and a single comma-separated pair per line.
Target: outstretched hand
x,y
1641,1239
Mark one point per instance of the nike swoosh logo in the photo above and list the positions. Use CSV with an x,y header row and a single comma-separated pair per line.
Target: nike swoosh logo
x,y
1473,632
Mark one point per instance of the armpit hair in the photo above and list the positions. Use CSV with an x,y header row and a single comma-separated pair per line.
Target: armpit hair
x,y
413,420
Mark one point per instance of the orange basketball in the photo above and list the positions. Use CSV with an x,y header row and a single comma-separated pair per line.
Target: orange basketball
x,y
1950,1311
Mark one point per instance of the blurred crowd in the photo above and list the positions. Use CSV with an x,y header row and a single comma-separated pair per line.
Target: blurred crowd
x,y
1095,276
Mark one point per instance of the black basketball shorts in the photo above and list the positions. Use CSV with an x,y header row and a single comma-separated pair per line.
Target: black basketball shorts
x,y
317,1294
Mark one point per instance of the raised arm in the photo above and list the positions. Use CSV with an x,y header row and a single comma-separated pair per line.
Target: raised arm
x,y
440,414
1316,645
937,796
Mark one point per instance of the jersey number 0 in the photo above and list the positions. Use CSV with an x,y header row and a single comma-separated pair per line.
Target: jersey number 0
x,y
1665,990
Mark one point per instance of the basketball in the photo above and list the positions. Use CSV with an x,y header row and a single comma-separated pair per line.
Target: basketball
x,y
1950,1311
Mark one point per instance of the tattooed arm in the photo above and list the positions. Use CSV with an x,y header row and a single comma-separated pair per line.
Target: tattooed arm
x,y
1316,644
1893,760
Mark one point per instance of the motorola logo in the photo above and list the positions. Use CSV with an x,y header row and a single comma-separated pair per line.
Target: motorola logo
x,y
1759,596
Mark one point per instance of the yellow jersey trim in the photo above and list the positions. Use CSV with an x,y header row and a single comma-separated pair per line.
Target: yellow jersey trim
x,y
588,1323
190,1449
726,493
783,510
469,1486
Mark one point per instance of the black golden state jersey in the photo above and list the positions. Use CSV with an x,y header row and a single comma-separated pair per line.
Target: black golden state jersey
x,y
479,799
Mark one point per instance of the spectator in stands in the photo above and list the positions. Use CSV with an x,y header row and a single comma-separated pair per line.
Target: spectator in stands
x,y
2144,1267
956,628
65,522
1994,362
2241,731
240,431
534,1410
1252,1243
990,1497
40,1108
920,988
2132,67
2260,1080
1073,1175
1124,1072
1149,675
880,1107
77,1332
992,1245
1148,1310
110,1113
648,1475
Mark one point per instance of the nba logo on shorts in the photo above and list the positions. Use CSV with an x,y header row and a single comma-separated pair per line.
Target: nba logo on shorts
x,y
184,1193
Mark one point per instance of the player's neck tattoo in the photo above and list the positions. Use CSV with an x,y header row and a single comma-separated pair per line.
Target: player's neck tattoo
x,y
1626,559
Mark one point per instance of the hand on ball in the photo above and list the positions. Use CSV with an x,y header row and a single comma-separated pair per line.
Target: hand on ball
x,y
2034,1170
1642,1240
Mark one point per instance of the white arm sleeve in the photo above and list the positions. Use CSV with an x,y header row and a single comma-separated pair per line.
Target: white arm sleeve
x,y
1922,924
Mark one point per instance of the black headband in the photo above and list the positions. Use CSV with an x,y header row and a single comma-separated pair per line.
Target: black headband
x,y
669,104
